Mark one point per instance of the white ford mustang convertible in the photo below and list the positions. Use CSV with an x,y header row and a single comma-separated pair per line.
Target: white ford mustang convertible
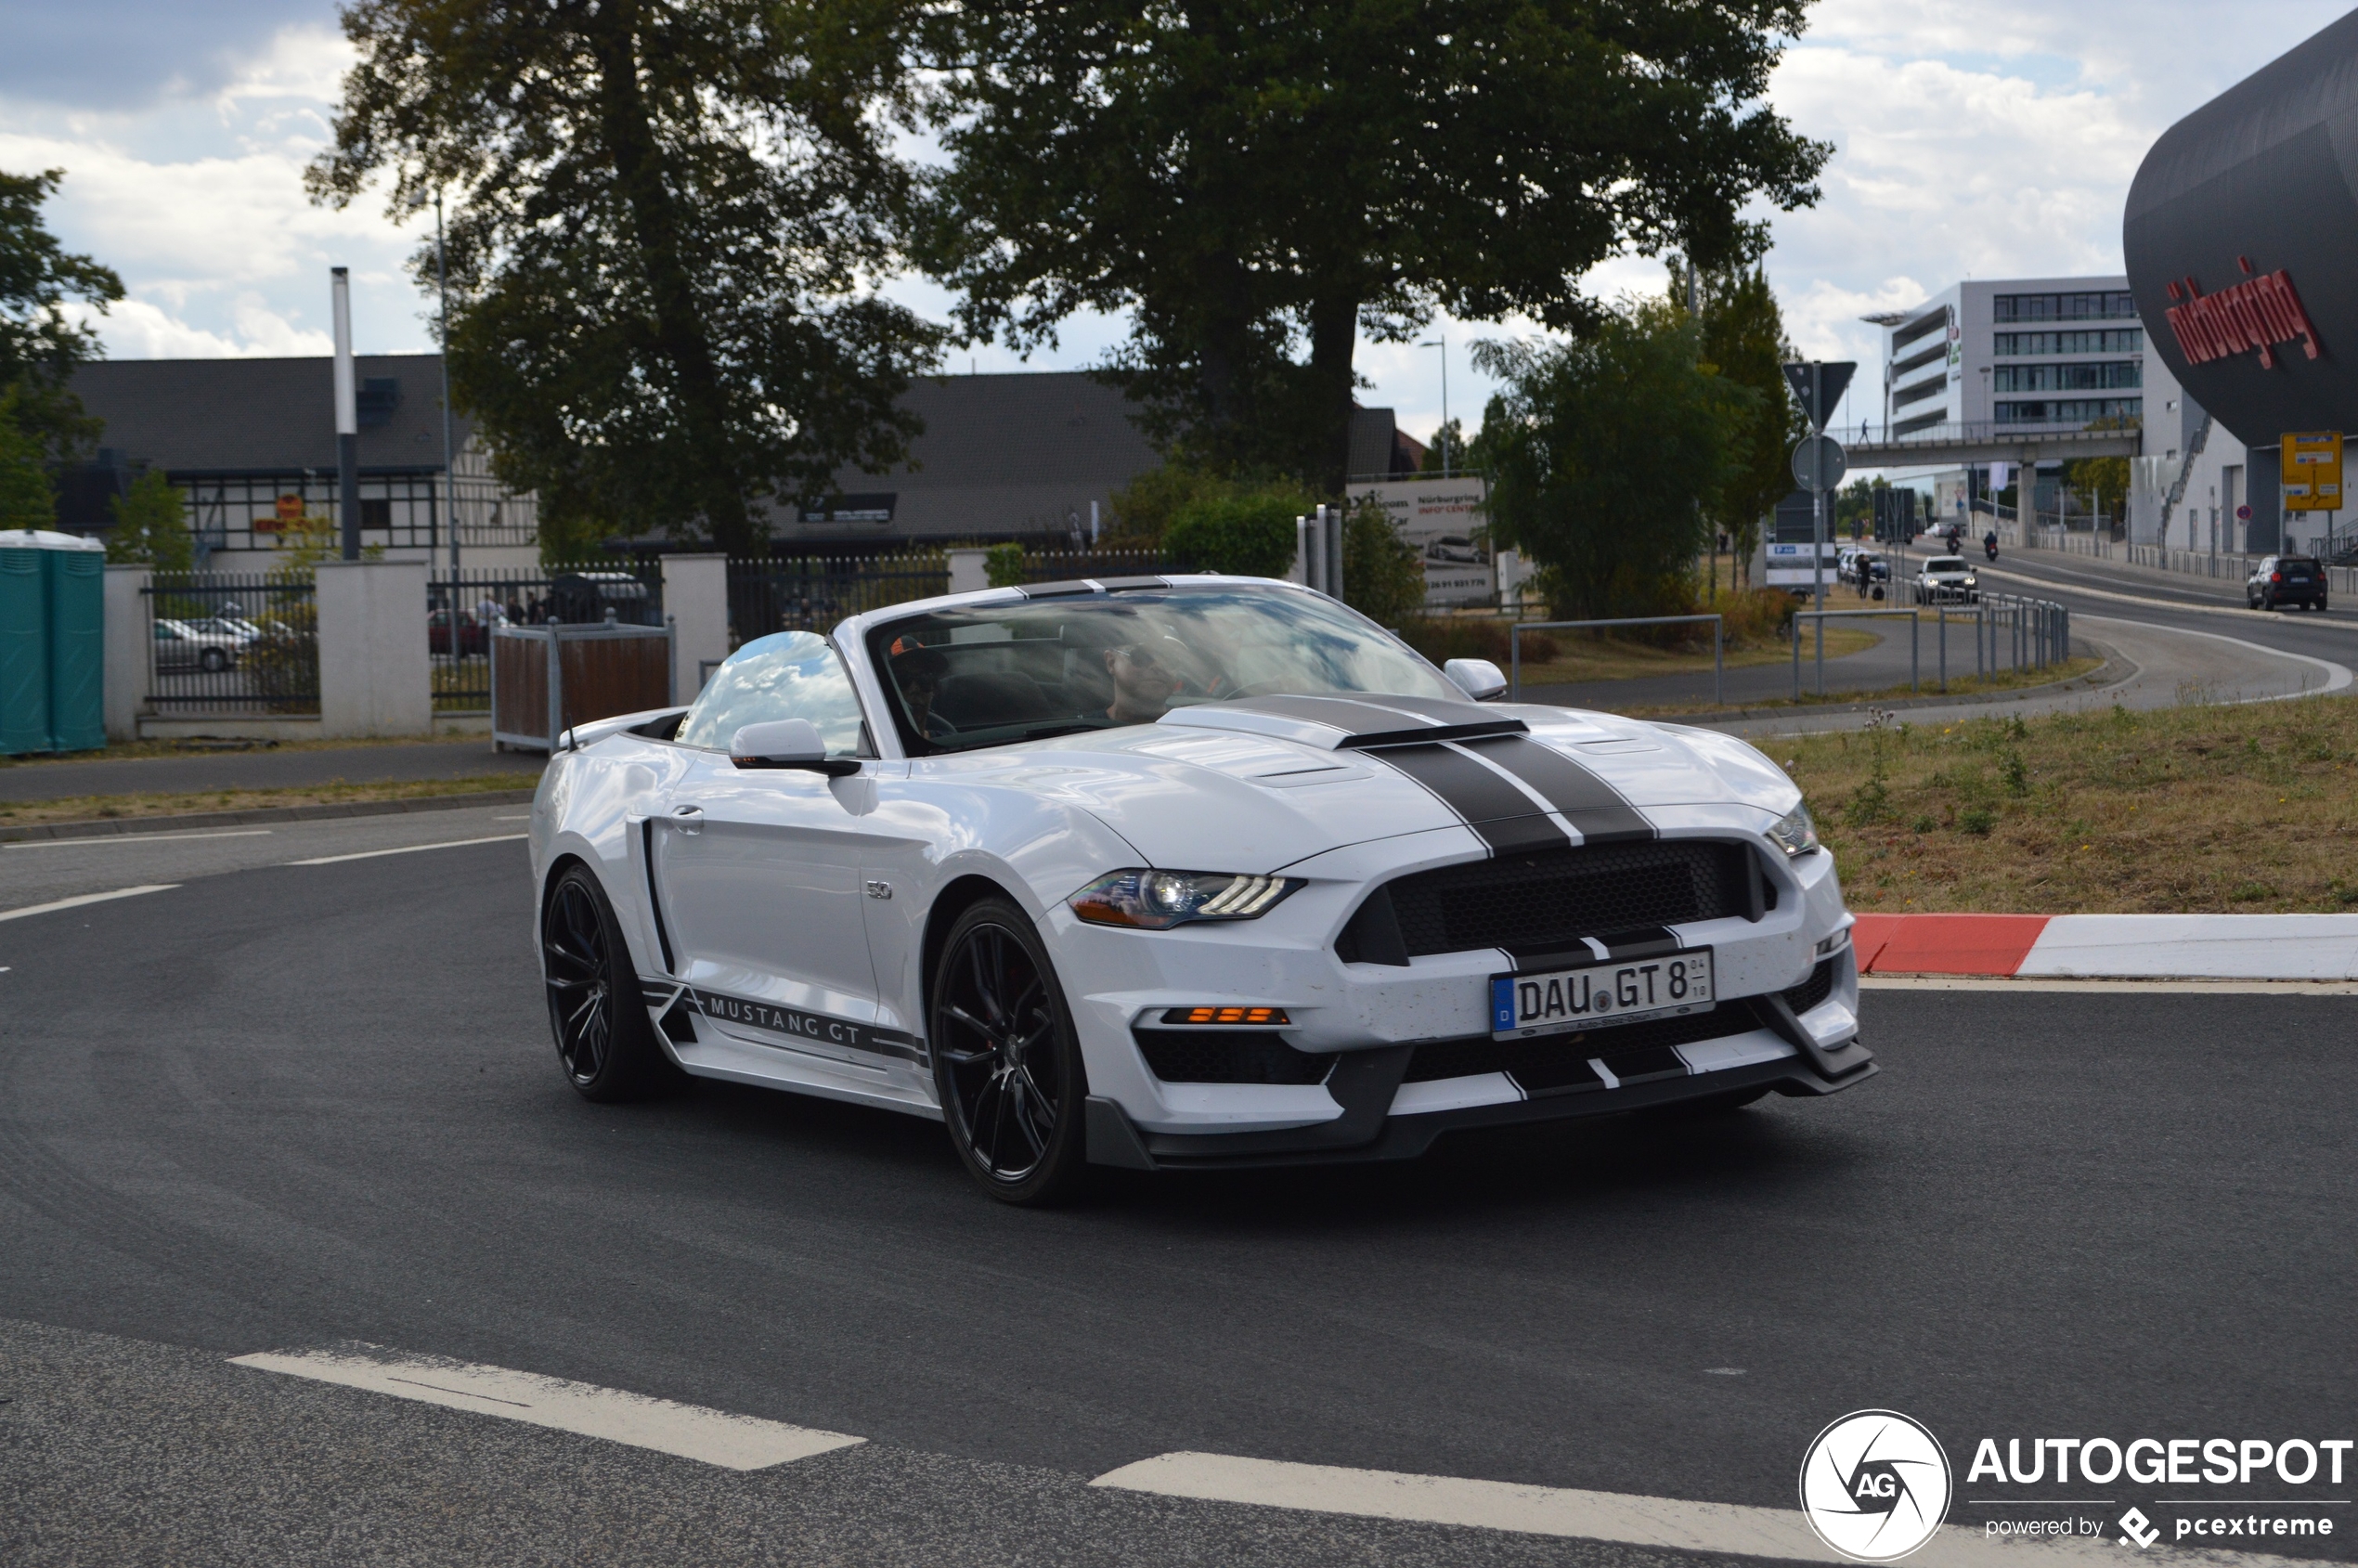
x,y
1174,873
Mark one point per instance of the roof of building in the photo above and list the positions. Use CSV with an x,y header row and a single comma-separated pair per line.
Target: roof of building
x,y
197,416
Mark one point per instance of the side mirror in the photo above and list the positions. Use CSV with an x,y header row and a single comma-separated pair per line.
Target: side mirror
x,y
788,743
1479,678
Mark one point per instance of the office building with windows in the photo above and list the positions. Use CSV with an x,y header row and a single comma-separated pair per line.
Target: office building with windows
x,y
2009,357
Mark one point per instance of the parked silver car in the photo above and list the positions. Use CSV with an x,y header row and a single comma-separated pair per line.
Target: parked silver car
x,y
183,646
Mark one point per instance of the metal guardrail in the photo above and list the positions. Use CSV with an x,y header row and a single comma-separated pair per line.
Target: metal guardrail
x,y
1718,645
2010,631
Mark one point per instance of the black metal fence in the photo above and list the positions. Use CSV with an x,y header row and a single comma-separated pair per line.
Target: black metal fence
x,y
232,642
813,593
1067,565
462,610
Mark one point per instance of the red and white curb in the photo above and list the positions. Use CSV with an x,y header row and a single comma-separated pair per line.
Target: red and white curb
x,y
2188,947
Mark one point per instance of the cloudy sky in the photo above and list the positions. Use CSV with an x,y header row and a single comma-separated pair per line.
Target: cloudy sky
x,y
1973,138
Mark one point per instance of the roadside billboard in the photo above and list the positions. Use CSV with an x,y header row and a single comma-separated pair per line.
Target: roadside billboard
x,y
1788,564
1442,518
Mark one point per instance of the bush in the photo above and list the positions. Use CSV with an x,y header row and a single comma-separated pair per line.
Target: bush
x,y
1250,536
1383,575
1004,565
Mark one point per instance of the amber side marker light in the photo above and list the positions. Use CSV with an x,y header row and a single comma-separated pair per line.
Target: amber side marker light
x,y
1273,1017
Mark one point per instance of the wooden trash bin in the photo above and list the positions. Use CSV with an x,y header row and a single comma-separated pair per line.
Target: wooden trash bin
x,y
546,679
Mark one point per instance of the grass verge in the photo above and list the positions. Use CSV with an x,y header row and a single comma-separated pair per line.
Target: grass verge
x,y
94,808
1593,657
2241,809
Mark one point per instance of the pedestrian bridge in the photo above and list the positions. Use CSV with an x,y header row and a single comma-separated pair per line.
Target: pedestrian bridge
x,y
1983,441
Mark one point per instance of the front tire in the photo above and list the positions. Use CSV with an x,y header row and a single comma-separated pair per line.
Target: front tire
x,y
604,1042
1006,1059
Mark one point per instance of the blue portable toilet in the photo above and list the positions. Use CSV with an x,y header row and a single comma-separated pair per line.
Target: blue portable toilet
x,y
52,641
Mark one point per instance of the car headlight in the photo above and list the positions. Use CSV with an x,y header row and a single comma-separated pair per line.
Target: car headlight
x,y
1156,901
1794,833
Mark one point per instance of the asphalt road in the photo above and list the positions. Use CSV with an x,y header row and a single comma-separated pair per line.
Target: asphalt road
x,y
282,1106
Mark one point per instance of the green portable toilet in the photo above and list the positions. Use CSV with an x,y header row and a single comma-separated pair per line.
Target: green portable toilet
x,y
77,600
52,641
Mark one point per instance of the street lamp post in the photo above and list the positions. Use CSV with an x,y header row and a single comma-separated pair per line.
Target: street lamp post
x,y
1443,344
449,477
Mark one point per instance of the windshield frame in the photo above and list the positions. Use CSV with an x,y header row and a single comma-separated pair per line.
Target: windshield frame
x,y
875,634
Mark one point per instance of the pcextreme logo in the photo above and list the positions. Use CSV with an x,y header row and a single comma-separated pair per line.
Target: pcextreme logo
x,y
1875,1486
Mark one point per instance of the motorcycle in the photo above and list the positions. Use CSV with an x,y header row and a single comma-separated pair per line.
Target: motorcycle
x,y
1990,547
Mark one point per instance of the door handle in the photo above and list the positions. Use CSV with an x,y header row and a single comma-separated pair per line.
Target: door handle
x,y
689,819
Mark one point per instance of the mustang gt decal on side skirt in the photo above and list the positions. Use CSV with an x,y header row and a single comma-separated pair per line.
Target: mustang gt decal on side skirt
x,y
768,1018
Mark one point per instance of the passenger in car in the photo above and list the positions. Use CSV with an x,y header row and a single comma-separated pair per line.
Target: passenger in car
x,y
917,670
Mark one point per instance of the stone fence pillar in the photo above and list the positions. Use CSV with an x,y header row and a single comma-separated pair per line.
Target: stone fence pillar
x,y
376,678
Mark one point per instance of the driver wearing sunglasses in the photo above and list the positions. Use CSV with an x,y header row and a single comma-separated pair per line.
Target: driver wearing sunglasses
x,y
1142,686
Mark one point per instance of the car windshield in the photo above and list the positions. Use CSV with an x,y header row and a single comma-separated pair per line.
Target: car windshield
x,y
1945,563
987,675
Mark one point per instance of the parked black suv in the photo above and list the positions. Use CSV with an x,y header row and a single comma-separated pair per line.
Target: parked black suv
x,y
2280,580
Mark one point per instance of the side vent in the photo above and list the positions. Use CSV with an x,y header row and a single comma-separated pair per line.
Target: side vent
x,y
678,1027
1373,936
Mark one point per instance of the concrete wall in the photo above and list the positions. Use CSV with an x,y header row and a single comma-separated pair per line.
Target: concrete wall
x,y
375,677
969,570
695,599
128,635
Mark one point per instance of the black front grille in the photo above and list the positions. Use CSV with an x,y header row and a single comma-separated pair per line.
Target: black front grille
x,y
1631,1052
1546,901
1228,1056
1813,991
1535,1061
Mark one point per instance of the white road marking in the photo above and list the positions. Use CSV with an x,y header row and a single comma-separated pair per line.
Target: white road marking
x,y
1999,982
411,849
1665,1523
78,900
2338,676
133,839
690,1431
525,817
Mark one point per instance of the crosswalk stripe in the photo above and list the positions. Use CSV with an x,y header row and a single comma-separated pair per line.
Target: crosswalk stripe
x,y
688,1431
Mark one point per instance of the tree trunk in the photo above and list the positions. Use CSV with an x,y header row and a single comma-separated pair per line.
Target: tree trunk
x,y
680,334
1334,337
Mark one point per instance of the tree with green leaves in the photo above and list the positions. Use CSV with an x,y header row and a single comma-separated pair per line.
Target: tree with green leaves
x,y
1383,575
40,343
1743,339
1447,448
151,525
664,221
1257,184
27,499
1598,452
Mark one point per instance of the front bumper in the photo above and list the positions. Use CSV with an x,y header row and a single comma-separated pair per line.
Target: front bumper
x,y
1367,1084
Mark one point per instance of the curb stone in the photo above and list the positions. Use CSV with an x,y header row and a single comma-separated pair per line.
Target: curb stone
x,y
107,827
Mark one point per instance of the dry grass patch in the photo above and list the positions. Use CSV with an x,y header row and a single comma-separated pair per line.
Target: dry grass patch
x,y
2189,809
93,807
1959,686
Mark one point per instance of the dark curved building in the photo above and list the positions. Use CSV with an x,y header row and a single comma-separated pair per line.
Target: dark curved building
x,y
2239,234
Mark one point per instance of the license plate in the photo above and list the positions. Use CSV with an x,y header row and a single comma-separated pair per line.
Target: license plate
x,y
1596,995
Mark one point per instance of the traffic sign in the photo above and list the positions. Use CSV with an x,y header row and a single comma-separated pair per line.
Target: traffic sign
x,y
1818,463
2243,514
2312,465
1818,385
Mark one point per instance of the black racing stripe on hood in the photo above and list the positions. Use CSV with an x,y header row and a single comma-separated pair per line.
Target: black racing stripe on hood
x,y
1502,815
1602,812
1380,721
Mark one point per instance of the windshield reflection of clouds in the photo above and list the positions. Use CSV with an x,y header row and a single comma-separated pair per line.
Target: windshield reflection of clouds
x,y
988,675
788,675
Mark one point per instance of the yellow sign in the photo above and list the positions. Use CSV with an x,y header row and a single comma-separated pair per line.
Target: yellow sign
x,y
2312,471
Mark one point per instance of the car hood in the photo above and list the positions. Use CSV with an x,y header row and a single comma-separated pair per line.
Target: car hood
x,y
1262,784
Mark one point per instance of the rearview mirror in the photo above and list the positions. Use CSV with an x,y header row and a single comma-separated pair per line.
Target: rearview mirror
x,y
788,743
1479,678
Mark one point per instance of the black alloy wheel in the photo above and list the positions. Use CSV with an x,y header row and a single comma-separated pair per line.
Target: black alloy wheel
x,y
604,1042
213,661
1005,1059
